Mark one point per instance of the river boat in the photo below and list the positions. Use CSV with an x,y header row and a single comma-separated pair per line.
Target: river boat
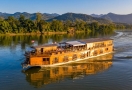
x,y
50,55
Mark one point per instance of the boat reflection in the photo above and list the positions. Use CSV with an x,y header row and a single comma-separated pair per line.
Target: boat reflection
x,y
38,77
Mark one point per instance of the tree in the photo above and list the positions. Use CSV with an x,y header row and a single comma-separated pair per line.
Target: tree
x,y
67,25
57,26
38,18
5,27
29,25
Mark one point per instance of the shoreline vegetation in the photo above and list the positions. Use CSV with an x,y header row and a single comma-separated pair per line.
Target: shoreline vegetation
x,y
46,33
23,26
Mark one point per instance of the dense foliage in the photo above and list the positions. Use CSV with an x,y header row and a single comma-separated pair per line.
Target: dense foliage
x,y
22,25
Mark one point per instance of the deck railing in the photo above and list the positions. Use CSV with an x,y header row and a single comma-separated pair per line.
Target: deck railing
x,y
60,51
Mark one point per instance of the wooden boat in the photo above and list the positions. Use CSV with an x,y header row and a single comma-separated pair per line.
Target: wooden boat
x,y
67,52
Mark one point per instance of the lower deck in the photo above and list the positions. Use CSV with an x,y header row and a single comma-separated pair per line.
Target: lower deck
x,y
67,62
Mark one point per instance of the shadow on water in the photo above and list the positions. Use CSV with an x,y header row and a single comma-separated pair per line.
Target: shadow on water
x,y
38,77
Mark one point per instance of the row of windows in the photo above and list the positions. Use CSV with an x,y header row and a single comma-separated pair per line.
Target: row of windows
x,y
46,59
74,57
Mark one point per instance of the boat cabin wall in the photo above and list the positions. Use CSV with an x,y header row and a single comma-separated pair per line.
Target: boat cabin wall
x,y
39,61
66,56
70,56
36,61
46,49
108,42
100,44
50,48
89,45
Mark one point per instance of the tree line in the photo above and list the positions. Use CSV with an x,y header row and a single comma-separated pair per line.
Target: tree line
x,y
23,25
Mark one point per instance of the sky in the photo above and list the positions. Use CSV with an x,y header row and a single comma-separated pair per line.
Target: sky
x,y
65,6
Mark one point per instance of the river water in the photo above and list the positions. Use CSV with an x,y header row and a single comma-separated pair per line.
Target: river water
x,y
109,72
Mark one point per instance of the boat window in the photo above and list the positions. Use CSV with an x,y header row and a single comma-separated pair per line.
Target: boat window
x,y
65,58
46,59
74,57
101,51
82,55
55,60
106,49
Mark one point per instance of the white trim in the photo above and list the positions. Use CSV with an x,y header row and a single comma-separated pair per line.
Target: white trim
x,y
75,43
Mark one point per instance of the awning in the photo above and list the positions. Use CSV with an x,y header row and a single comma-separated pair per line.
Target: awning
x,y
75,43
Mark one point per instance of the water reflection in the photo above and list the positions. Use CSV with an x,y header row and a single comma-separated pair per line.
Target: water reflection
x,y
41,76
25,40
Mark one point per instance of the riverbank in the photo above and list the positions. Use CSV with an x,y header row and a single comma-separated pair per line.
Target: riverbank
x,y
46,33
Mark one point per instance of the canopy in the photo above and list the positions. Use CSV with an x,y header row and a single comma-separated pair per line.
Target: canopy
x,y
75,43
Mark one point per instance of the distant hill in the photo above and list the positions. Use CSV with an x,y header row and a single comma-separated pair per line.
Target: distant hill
x,y
104,19
45,16
96,15
84,17
118,18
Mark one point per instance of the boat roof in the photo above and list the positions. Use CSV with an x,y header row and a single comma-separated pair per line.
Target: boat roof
x,y
75,43
95,40
42,46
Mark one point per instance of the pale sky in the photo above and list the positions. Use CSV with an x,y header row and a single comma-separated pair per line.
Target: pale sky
x,y
64,6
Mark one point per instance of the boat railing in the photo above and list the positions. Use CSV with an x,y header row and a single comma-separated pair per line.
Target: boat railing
x,y
54,52
38,54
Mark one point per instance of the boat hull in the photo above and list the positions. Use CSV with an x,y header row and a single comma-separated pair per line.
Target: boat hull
x,y
57,64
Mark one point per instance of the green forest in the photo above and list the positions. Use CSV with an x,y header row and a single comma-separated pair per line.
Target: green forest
x,y
23,25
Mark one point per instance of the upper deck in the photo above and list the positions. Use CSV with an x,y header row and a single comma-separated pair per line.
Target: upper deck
x,y
70,46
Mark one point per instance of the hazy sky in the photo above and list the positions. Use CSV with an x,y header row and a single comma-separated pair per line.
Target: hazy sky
x,y
64,6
